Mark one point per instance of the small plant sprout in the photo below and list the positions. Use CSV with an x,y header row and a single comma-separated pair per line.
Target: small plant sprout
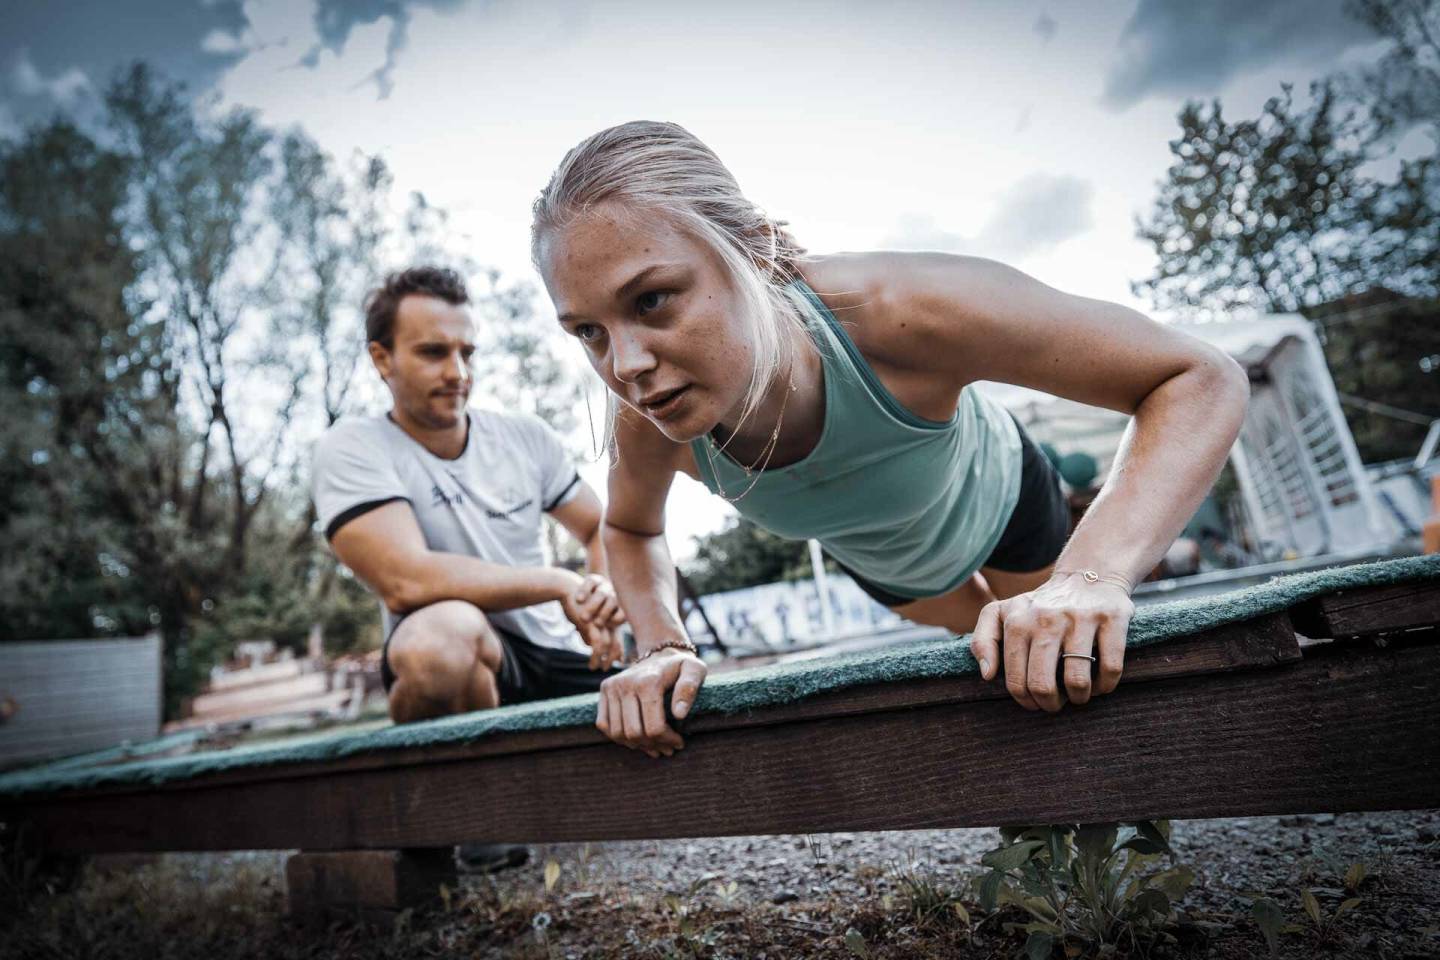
x,y
552,874
1271,920
1089,883
728,892
1325,926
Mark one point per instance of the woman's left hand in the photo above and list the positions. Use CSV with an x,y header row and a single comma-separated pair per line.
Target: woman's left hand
x,y
1067,614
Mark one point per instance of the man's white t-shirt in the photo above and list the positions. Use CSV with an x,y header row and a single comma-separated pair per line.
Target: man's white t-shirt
x,y
486,503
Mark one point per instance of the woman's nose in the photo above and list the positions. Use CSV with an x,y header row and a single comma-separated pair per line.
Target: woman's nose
x,y
630,356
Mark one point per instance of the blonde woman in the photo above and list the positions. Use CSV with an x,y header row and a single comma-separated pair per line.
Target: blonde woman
x,y
831,396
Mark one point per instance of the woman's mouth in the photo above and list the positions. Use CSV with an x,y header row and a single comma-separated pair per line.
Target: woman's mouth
x,y
665,404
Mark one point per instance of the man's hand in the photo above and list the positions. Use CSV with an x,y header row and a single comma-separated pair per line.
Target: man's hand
x,y
596,597
632,704
592,607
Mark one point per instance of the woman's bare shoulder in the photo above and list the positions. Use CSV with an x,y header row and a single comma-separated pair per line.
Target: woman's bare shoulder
x,y
890,302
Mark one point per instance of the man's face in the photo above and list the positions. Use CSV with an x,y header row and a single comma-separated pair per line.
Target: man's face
x,y
428,368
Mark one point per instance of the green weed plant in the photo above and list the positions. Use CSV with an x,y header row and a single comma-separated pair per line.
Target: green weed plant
x,y
1085,885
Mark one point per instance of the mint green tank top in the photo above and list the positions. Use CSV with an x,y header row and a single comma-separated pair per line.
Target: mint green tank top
x,y
915,506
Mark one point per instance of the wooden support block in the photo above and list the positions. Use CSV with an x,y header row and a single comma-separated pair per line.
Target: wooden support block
x,y
376,884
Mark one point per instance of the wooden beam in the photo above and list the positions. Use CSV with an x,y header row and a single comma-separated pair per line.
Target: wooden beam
x,y
1370,611
1253,645
1344,728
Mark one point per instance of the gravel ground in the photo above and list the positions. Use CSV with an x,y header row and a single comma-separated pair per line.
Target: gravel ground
x,y
1235,860
832,895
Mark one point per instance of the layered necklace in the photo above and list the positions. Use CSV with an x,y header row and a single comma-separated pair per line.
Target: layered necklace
x,y
755,468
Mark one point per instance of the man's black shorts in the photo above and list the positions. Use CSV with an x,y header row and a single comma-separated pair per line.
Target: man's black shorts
x,y
1035,533
528,671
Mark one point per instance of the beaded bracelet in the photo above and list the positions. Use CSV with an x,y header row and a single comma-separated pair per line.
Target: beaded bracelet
x,y
685,645
1090,576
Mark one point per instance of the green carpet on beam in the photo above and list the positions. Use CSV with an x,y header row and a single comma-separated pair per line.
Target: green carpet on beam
x,y
726,693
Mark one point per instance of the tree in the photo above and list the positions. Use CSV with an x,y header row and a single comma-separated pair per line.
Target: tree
x,y
744,555
84,376
1403,87
180,314
1270,214
1384,347
1402,93
1287,213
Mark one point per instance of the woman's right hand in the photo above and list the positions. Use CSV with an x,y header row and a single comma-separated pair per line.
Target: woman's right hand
x,y
632,703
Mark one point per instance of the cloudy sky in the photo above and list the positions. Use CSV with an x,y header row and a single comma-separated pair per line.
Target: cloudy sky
x,y
1030,132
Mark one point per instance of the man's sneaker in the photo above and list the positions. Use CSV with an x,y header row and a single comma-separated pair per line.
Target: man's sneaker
x,y
490,857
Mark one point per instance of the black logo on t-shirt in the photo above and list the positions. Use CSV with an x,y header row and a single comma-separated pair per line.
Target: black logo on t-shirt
x,y
505,514
439,498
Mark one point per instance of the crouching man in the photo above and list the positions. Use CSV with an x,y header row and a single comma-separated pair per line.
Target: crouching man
x,y
438,510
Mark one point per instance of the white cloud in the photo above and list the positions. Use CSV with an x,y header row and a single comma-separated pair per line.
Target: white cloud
x,y
919,231
222,41
1032,217
1036,215
30,82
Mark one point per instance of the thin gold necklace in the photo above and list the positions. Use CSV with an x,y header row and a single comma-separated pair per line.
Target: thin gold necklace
x,y
766,453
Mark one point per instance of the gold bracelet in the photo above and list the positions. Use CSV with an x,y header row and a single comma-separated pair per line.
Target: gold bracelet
x,y
685,645
1091,576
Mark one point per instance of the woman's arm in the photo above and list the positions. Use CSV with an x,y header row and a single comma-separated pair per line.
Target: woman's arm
x,y
632,704
976,319
971,319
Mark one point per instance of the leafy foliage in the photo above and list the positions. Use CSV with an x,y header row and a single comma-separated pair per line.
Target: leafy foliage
x,y
1084,882
1271,213
1289,212
1380,346
180,316
744,555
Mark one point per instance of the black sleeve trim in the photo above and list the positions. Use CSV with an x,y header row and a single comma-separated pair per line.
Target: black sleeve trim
x,y
359,510
561,495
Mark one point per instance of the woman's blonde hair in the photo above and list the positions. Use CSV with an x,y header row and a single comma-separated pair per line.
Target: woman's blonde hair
x,y
663,167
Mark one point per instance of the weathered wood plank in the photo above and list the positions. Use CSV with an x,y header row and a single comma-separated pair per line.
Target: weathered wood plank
x,y
1255,644
1370,611
1347,728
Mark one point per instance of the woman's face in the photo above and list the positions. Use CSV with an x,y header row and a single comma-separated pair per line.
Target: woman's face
x,y
656,313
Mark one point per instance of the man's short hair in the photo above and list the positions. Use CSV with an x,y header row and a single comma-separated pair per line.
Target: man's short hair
x,y
384,301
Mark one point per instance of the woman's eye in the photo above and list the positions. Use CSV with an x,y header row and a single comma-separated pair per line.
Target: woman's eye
x,y
651,301
587,332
